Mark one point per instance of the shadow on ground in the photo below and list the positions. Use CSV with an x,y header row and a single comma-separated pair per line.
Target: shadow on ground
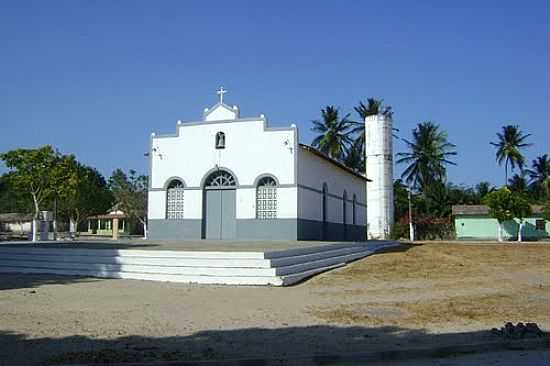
x,y
278,344
82,245
14,281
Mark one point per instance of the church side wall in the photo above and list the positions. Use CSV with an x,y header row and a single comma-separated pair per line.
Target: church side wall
x,y
313,172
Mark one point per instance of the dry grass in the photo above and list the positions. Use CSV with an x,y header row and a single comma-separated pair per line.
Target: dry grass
x,y
441,284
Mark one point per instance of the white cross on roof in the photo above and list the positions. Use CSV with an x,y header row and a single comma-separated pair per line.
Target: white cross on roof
x,y
221,91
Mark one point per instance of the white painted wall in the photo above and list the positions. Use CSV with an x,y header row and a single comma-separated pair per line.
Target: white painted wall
x,y
16,227
286,203
221,113
313,171
156,205
250,151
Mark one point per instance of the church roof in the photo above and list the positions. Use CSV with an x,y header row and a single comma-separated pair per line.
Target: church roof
x,y
314,151
15,217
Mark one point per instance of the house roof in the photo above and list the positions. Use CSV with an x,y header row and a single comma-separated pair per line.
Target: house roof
x,y
314,151
482,210
15,217
107,216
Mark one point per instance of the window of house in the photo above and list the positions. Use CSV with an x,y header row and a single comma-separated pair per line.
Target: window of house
x,y
174,200
540,225
220,140
266,199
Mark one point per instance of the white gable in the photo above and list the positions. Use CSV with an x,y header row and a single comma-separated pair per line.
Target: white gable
x,y
221,112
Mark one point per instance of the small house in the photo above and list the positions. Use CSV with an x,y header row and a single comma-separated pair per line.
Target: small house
x,y
473,222
18,223
102,224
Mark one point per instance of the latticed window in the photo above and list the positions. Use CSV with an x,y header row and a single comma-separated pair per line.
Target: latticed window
x,y
175,200
266,199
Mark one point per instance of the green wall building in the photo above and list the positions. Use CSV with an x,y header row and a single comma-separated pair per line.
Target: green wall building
x,y
472,222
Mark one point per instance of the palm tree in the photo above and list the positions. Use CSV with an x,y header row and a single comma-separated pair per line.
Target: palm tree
x,y
518,183
334,133
428,156
373,107
355,158
509,145
539,177
483,188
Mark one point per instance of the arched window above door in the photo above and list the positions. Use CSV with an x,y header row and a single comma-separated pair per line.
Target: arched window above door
x,y
220,178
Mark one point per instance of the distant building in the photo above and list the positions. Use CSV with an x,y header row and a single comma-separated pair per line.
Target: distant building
x,y
473,222
102,224
16,223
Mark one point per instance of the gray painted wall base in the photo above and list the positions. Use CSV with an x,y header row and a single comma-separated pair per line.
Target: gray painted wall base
x,y
175,229
254,229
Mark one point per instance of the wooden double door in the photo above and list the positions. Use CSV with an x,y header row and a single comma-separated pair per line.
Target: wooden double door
x,y
220,215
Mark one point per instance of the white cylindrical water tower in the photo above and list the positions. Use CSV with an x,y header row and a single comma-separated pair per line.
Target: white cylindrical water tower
x,y
379,169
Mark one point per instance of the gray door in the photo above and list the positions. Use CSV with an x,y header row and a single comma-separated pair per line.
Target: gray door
x,y
220,214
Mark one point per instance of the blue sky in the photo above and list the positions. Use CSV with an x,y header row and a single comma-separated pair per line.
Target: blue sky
x,y
95,78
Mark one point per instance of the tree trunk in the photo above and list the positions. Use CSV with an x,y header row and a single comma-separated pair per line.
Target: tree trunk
x,y
519,231
506,173
54,223
35,218
144,222
72,226
499,235
55,219
34,229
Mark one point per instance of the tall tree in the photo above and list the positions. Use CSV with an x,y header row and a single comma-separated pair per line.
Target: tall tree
x,y
539,177
88,194
546,211
483,188
38,173
521,209
373,107
428,157
518,183
355,157
32,172
334,133
130,192
510,143
500,207
11,199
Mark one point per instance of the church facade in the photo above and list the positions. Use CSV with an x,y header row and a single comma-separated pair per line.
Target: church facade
x,y
232,178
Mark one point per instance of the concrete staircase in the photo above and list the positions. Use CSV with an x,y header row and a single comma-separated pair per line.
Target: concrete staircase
x,y
276,268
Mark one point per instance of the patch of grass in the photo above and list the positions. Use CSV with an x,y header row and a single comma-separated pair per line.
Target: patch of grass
x,y
441,283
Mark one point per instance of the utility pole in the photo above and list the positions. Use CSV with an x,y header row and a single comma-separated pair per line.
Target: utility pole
x,y
411,226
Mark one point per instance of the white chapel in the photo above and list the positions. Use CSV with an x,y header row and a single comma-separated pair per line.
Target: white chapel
x,y
227,177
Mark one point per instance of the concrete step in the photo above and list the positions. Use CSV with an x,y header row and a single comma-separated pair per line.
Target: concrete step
x,y
232,268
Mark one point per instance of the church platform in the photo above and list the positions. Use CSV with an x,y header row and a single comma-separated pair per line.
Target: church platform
x,y
276,263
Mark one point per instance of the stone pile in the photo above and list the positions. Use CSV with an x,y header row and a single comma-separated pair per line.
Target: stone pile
x,y
518,331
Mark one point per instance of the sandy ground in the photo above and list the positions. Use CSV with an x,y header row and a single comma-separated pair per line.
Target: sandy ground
x,y
420,296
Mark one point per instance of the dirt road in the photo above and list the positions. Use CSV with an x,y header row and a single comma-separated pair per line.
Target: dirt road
x,y
435,294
